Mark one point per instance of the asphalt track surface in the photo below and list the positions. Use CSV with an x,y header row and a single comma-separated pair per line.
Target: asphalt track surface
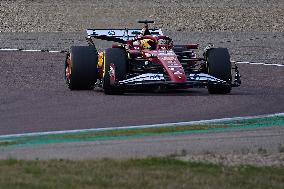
x,y
34,98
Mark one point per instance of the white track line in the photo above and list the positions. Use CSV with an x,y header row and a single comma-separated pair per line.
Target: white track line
x,y
55,51
9,49
32,50
280,65
139,126
50,51
258,63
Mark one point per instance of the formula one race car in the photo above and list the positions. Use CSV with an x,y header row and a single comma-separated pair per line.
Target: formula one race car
x,y
146,58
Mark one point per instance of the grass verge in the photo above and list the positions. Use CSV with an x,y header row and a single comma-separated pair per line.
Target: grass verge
x,y
135,173
135,132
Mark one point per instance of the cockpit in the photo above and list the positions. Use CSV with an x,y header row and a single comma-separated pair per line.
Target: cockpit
x,y
152,43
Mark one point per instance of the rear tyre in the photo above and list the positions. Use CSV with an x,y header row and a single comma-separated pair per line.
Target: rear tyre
x,y
219,66
115,70
81,68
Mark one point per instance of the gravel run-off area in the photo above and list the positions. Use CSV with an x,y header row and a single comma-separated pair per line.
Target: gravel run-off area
x,y
177,15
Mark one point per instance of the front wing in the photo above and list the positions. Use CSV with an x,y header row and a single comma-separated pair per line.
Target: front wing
x,y
193,80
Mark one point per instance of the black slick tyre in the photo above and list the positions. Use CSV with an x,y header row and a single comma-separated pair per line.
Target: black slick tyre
x,y
81,68
116,59
219,66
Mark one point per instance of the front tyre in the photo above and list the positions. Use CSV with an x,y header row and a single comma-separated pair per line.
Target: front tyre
x,y
81,68
219,66
115,69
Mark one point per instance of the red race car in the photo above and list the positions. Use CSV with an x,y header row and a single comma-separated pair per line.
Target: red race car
x,y
147,59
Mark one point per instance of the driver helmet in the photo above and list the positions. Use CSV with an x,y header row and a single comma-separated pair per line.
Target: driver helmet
x,y
147,44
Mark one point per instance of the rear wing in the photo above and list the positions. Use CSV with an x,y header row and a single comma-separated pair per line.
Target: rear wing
x,y
119,35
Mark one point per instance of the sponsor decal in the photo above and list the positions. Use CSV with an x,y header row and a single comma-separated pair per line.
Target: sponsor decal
x,y
155,77
165,52
143,78
178,73
169,58
171,62
174,65
205,77
111,33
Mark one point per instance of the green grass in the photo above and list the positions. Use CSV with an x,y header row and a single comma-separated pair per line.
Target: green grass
x,y
8,143
135,173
